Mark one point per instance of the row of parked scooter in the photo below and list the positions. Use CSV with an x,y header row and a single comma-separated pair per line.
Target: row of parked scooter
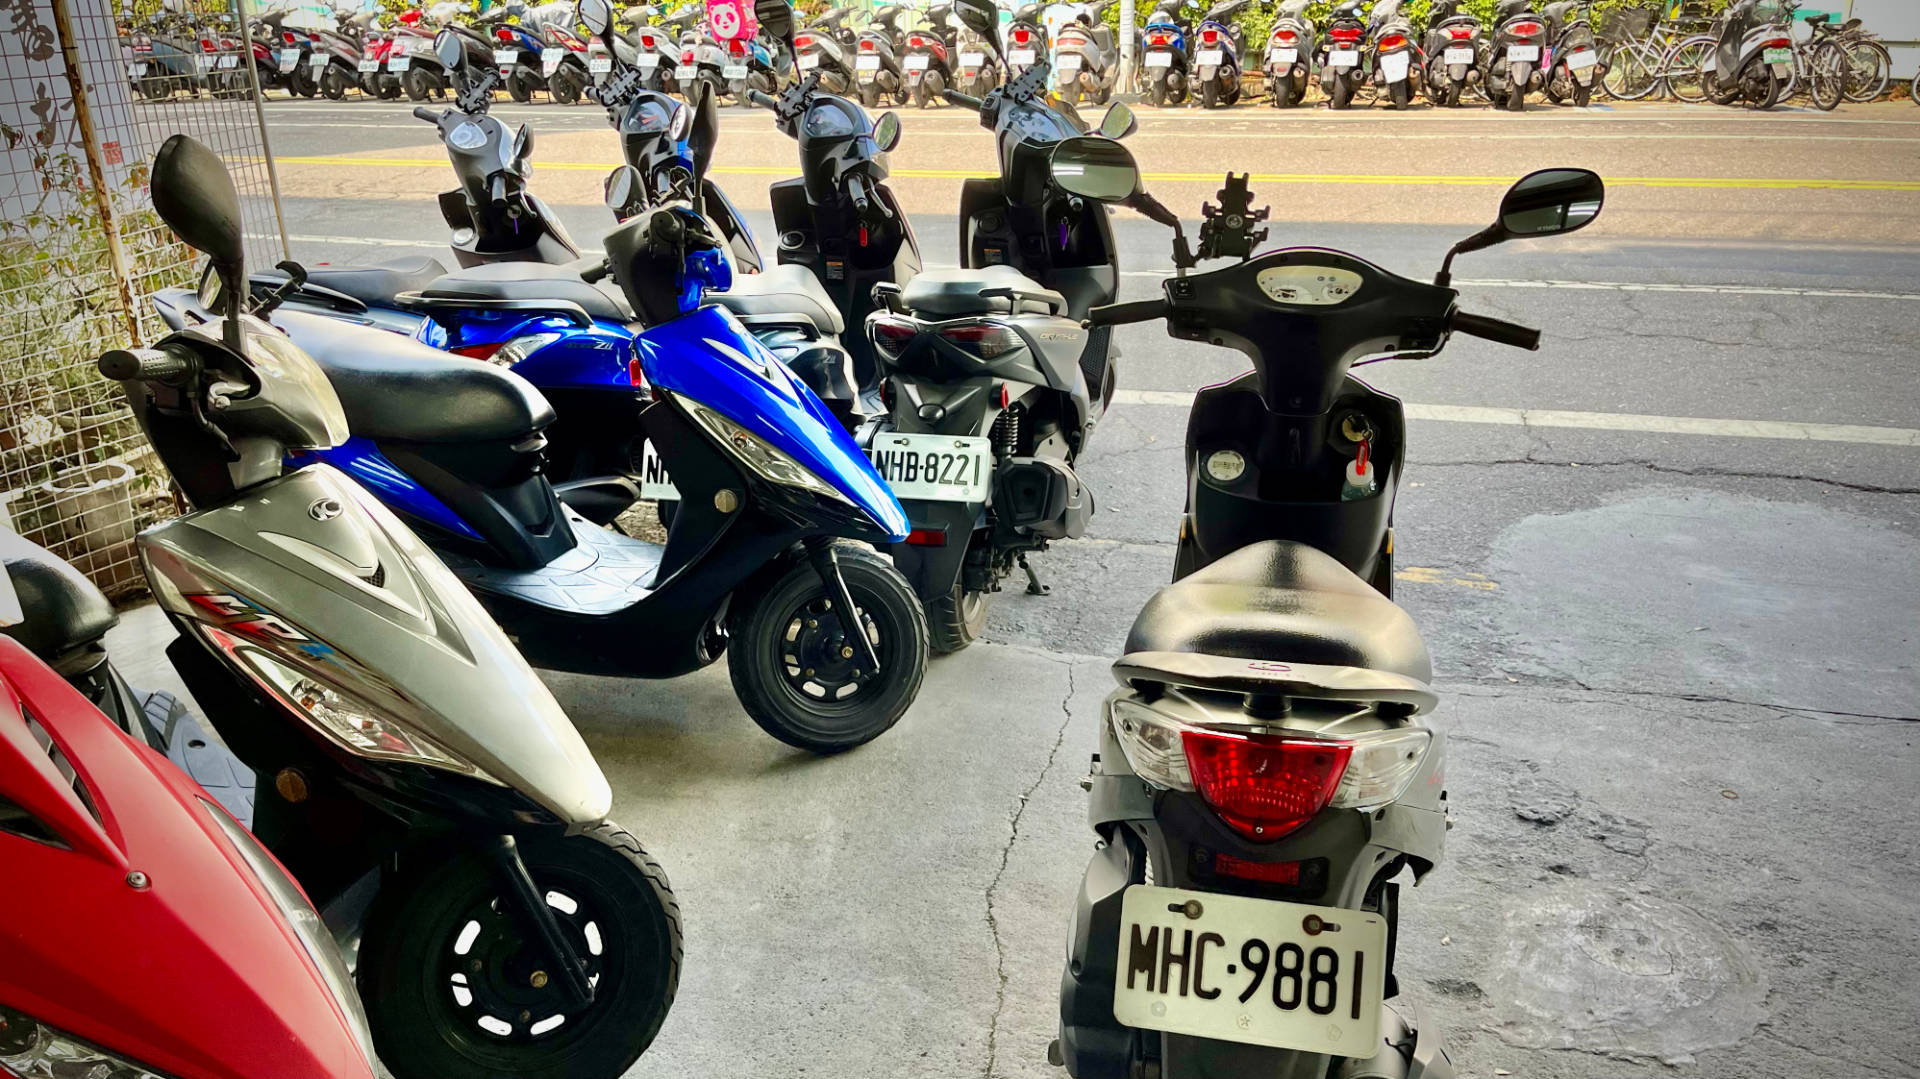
x,y
405,487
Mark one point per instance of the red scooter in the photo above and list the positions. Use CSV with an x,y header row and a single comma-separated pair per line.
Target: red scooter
x,y
145,932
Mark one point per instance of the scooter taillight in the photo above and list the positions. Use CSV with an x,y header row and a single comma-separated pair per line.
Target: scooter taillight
x,y
646,41
1159,37
1211,37
1345,33
1777,43
686,56
986,340
1460,33
1285,37
287,36
410,18
892,335
803,41
208,46
503,35
1264,786
1393,41
867,44
1022,35
736,47
915,41
1525,29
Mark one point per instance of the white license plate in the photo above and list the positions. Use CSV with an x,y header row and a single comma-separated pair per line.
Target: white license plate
x,y
809,61
1283,56
1211,57
1344,58
916,63
204,63
734,71
1159,59
600,65
655,484
1255,971
229,61
369,65
550,60
289,60
934,468
140,70
506,57
1522,53
866,62
1394,66
1459,56
318,61
1068,62
1580,61
1771,56
1020,56
400,63
973,59
649,61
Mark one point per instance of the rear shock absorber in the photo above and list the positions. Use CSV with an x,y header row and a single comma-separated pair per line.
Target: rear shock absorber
x,y
1006,431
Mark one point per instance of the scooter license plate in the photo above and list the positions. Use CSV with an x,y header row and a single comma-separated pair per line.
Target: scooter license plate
x,y
973,59
369,65
1343,58
1394,66
1777,56
655,484
1283,56
1255,971
915,63
809,61
550,60
600,65
318,61
140,70
400,63
934,468
1211,57
1459,56
1067,62
1159,59
1517,54
1020,56
506,57
734,71
288,59
866,63
1581,60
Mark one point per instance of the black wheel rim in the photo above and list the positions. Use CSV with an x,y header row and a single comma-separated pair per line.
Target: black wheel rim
x,y
811,651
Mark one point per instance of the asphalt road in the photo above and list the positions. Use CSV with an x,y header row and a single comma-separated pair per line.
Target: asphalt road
x,y
1669,568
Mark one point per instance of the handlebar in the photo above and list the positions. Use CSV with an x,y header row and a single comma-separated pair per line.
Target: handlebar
x,y
169,366
1497,331
965,101
1115,314
421,112
765,101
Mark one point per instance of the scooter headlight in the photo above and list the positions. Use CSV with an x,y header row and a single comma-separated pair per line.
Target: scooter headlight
x,y
31,1049
305,922
761,458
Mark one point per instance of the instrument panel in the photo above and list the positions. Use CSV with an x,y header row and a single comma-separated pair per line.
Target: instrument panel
x,y
1314,286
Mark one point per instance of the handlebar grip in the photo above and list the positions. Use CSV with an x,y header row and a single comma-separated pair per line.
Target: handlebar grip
x,y
146,365
423,113
965,101
1497,331
765,101
1116,314
594,274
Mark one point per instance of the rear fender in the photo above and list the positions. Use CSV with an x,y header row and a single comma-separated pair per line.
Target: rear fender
x,y
1093,1045
934,570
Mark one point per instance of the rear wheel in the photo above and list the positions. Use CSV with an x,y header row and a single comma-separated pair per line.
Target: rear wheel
x,y
1582,96
1210,94
417,83
1869,69
1517,77
1342,94
1630,73
562,87
334,83
1157,93
1826,77
1685,68
956,619
520,85
870,95
1283,91
921,95
802,681
1452,96
455,983
1400,94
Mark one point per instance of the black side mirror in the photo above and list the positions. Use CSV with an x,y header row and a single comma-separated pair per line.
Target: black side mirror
x,y
1119,122
625,193
522,144
195,197
1094,168
886,131
451,51
1543,203
776,18
980,16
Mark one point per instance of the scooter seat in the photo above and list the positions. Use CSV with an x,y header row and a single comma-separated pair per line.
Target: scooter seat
x,y
64,611
394,388
950,293
527,281
787,289
377,284
1284,602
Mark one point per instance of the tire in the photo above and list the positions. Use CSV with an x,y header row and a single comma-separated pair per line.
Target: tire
x,y
1283,92
1869,69
156,88
520,86
1631,73
1582,95
738,89
562,87
1157,93
1827,78
417,83
776,634
1517,77
921,97
410,956
1210,94
1400,94
1684,78
870,95
1452,96
334,84
1101,96
1342,95
955,620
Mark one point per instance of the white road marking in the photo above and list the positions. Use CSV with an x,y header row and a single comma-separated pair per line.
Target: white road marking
x,y
1609,421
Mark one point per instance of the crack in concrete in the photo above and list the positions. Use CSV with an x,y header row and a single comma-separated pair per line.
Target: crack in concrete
x,y
1006,855
1818,1055
1675,470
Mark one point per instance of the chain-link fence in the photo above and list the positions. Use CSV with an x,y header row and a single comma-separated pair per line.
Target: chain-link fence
x,y
90,94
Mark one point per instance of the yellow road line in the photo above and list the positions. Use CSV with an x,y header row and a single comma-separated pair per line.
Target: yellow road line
x,y
1745,182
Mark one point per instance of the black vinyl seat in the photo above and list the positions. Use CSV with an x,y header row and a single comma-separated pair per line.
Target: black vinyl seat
x,y
377,285
528,281
786,289
64,611
951,293
1285,602
395,388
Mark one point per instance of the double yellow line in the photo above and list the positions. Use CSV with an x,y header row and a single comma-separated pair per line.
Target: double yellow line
x,y
1742,182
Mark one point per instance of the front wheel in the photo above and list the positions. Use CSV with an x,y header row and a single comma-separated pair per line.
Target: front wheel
x,y
800,678
455,985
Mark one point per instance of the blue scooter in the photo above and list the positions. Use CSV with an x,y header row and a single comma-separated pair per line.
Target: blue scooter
x,y
828,642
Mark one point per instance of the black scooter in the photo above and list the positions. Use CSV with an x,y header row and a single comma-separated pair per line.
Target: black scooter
x,y
1519,47
1264,762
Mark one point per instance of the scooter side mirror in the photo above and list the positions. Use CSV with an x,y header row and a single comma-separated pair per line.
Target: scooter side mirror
x,y
1544,203
522,144
596,16
451,51
625,192
1119,122
775,17
980,16
193,194
886,131
1094,168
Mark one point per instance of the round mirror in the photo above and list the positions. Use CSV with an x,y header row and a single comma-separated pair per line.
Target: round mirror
x,y
980,16
623,188
1094,168
886,131
596,16
522,143
1118,123
1552,201
682,123
446,45
775,17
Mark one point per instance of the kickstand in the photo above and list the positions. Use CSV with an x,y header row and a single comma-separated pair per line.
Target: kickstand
x,y
1034,587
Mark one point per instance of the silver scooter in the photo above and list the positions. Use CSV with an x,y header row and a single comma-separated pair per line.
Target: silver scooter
x,y
416,777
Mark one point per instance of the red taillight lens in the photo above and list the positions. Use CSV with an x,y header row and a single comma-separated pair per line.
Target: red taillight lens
x,y
892,336
313,39
686,56
1525,29
1265,872
1159,37
504,35
208,46
736,47
984,339
1022,36
803,41
1777,43
411,18
646,41
1460,33
1285,37
634,373
867,44
1344,33
287,36
477,352
1393,41
1211,37
1263,786
915,41
927,537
